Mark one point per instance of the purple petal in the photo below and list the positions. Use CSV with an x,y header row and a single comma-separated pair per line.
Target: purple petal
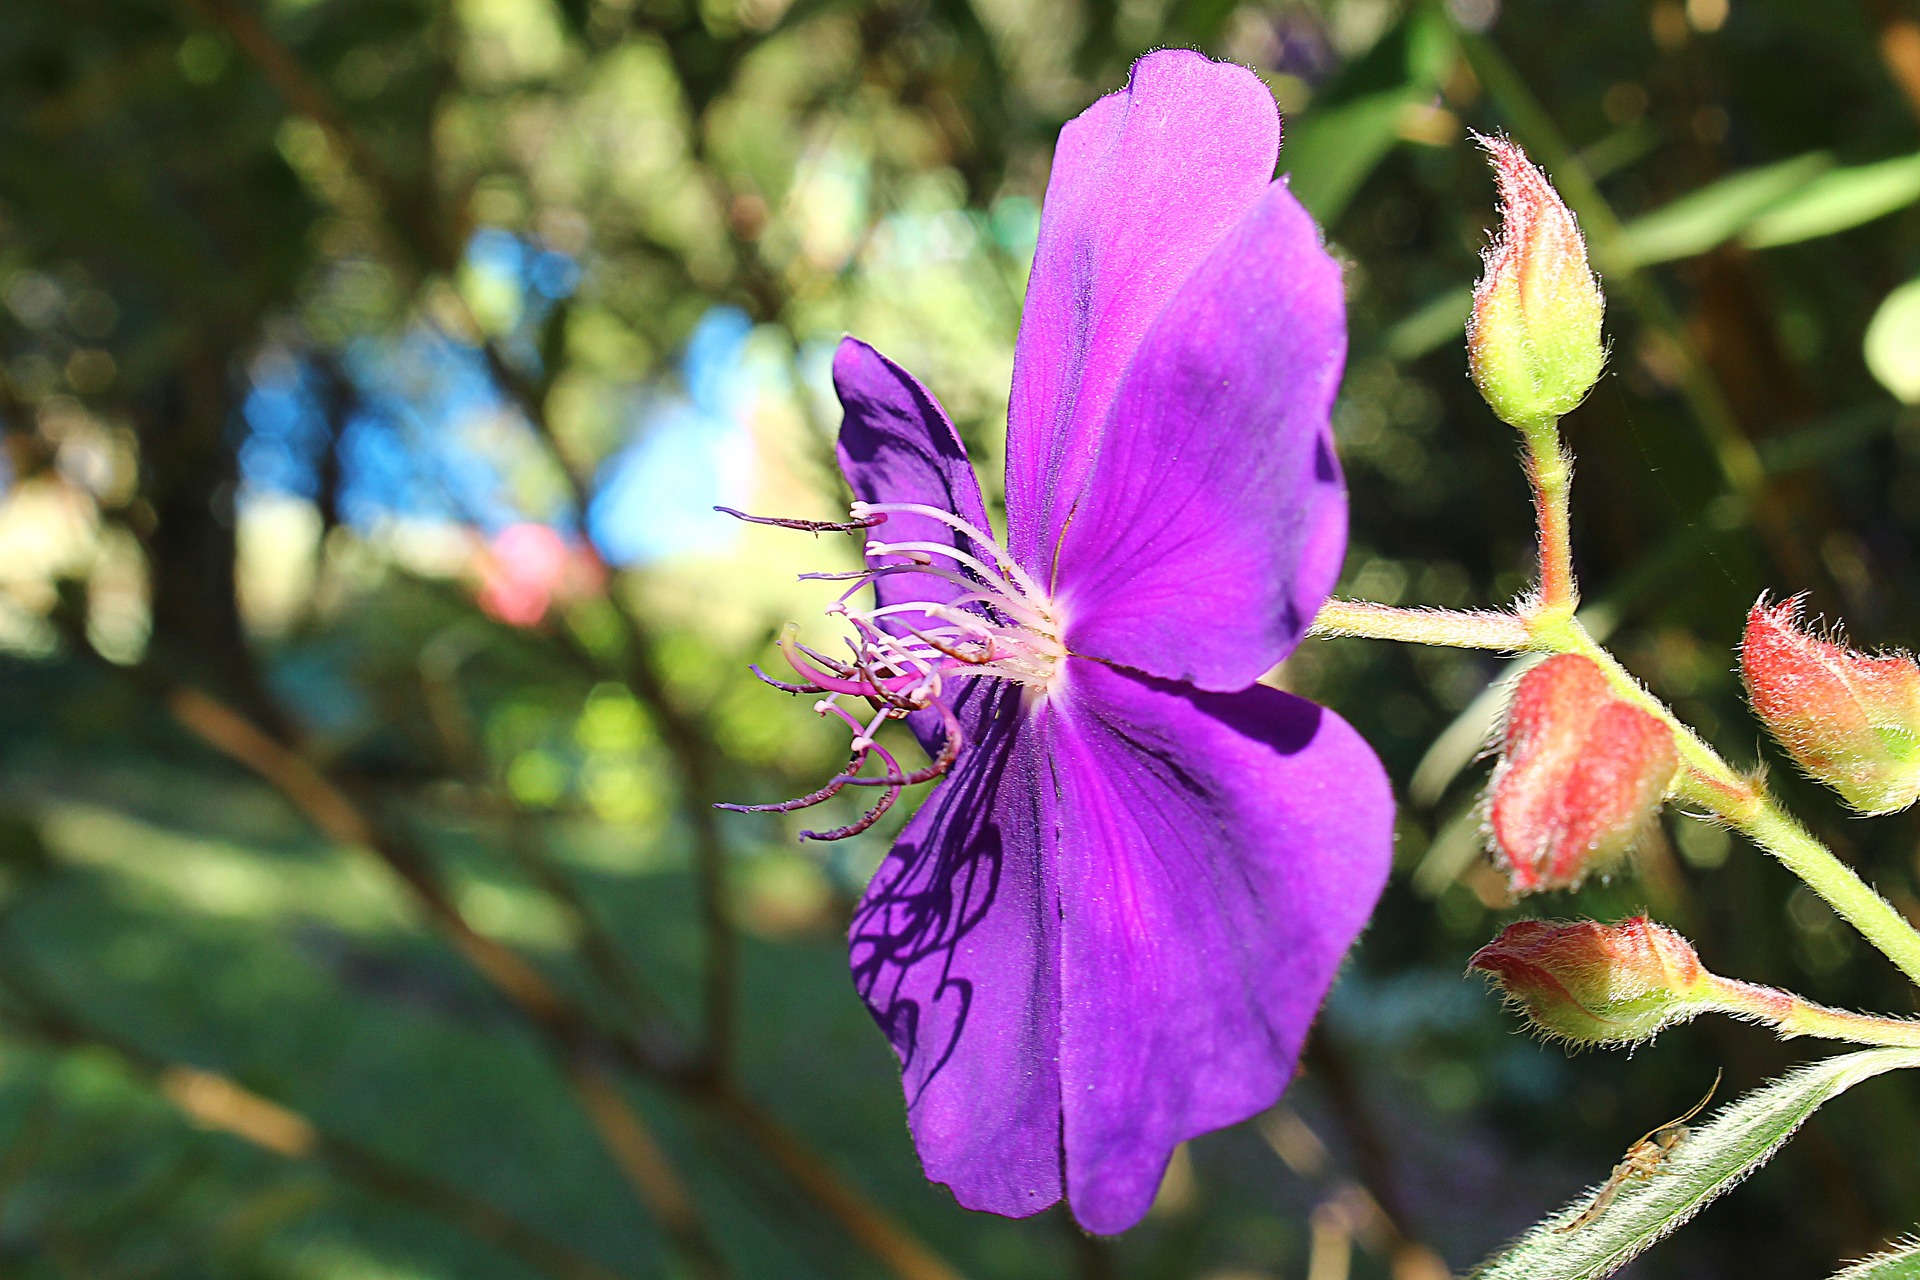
x,y
954,950
898,445
1214,520
1218,855
1145,182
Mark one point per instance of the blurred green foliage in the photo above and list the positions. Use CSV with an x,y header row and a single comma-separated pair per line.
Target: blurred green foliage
x,y
199,196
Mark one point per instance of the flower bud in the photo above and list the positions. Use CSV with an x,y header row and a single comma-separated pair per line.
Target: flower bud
x,y
1582,771
1595,983
1850,719
1533,342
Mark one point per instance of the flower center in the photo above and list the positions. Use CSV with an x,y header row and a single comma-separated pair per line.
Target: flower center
x,y
915,655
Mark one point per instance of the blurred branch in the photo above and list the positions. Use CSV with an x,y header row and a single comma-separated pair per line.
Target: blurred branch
x,y
439,673
575,1041
411,210
1411,1258
878,1234
422,223
1899,42
214,1101
692,753
569,1035
422,229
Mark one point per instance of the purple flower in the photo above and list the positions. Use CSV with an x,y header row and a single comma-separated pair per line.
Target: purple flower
x,y
1110,927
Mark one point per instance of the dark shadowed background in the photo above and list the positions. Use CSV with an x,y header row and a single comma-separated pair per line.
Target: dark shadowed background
x,y
370,655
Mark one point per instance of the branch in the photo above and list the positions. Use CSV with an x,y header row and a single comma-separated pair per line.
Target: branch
x,y
214,1101
569,1034
687,743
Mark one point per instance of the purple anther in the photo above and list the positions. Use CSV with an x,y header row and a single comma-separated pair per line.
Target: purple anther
x,y
783,685
812,798
880,806
810,526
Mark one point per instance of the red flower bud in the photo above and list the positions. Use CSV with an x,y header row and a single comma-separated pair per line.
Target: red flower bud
x,y
1581,773
1850,719
1533,342
1595,983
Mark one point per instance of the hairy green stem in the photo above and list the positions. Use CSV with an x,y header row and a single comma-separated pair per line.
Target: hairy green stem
x,y
1550,476
1446,628
1793,1015
1774,830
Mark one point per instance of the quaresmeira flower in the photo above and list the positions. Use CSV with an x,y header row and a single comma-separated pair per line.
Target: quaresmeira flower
x,y
1110,926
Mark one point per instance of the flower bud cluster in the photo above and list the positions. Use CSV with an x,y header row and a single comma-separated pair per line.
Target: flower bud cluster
x,y
1533,341
1850,719
1582,771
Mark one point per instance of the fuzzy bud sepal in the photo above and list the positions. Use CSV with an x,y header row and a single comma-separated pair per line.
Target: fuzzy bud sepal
x,y
1593,983
1850,719
1582,772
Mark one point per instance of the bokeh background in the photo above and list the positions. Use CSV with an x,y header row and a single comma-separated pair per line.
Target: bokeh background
x,y
370,654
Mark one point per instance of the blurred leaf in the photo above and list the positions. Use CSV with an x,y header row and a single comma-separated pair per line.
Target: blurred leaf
x,y
1716,213
1357,119
1198,22
1708,1162
1893,342
1431,325
1826,437
1902,1262
1330,153
1836,201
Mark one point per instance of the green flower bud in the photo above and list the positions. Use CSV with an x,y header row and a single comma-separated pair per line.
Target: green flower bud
x,y
1533,342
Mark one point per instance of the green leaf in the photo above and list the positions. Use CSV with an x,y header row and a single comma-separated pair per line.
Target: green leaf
x,y
1902,1262
1431,325
1892,345
1838,200
1708,1162
1715,213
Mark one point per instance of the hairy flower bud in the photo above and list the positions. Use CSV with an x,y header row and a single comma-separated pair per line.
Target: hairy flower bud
x,y
1595,983
1850,719
1533,341
1582,771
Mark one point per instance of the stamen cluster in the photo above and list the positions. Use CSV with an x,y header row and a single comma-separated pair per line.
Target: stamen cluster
x,y
905,657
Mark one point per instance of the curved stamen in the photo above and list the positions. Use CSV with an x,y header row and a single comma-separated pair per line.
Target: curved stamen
x,y
1000,626
981,538
782,685
949,752
807,801
854,525
892,781
973,562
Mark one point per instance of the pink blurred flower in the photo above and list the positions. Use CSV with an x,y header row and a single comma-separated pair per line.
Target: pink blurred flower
x,y
527,568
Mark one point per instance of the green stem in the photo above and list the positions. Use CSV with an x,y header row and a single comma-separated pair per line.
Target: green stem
x,y
1486,629
1793,1015
1550,475
1774,830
